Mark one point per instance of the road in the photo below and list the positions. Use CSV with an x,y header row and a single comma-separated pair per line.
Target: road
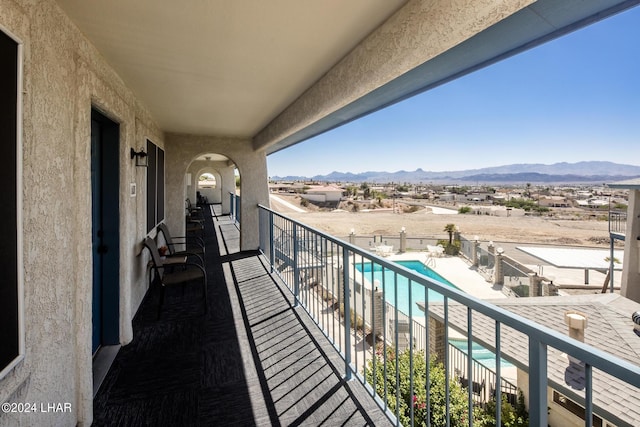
x,y
284,205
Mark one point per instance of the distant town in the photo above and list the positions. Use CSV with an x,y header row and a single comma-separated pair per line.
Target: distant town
x,y
563,173
503,200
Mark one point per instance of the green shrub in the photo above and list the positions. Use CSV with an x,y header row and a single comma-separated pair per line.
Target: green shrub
x,y
521,290
450,249
525,204
464,209
357,322
510,415
458,408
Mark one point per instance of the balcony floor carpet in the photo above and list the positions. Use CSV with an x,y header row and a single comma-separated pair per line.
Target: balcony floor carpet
x,y
254,359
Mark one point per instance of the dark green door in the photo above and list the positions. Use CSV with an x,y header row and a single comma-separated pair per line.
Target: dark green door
x,y
105,218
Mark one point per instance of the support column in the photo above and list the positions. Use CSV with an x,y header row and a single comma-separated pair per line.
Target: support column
x,y
630,279
378,313
535,285
437,342
475,249
498,275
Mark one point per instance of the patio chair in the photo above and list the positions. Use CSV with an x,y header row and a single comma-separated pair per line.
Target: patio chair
x,y
175,273
191,207
194,246
195,212
194,229
194,219
384,250
478,388
435,251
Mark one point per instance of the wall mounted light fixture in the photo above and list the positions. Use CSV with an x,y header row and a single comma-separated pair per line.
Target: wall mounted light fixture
x,y
141,157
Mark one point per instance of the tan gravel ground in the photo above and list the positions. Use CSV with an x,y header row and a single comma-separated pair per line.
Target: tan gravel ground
x,y
527,229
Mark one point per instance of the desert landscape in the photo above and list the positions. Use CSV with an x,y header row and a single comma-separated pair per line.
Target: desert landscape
x,y
569,228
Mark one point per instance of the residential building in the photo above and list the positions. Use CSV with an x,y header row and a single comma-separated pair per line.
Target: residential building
x,y
554,202
323,193
111,110
604,324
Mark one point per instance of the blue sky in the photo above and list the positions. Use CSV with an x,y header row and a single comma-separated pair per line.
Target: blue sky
x,y
573,99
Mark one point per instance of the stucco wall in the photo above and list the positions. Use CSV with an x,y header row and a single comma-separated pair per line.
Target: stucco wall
x,y
631,273
63,77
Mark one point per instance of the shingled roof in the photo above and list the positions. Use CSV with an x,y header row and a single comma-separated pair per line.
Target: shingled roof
x,y
609,329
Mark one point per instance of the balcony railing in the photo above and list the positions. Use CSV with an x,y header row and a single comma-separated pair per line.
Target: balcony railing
x,y
351,294
617,223
235,208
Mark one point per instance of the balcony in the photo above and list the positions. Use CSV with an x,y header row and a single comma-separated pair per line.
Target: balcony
x,y
277,347
255,359
617,224
215,87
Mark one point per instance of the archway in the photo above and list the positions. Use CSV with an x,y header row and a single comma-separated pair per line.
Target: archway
x,y
207,189
212,177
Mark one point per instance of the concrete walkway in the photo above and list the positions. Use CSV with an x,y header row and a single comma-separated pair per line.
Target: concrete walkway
x,y
285,203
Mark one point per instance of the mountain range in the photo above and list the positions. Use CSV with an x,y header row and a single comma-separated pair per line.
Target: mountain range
x,y
588,172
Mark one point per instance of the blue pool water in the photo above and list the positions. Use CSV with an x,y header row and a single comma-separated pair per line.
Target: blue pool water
x,y
417,290
480,354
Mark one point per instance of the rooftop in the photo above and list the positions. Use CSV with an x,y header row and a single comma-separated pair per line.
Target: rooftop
x,y
630,184
609,329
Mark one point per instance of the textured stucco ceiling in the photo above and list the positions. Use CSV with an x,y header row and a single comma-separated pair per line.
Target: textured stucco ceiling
x,y
224,67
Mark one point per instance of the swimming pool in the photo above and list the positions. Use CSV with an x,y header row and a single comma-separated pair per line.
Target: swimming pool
x,y
480,354
417,290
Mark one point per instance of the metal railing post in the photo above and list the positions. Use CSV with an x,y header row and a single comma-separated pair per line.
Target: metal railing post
x,y
537,383
498,385
347,313
296,270
611,263
238,210
271,245
470,390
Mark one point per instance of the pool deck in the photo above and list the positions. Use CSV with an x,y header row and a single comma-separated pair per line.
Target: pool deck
x,y
456,271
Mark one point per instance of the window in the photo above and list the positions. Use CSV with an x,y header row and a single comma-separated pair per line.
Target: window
x,y
11,331
155,186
